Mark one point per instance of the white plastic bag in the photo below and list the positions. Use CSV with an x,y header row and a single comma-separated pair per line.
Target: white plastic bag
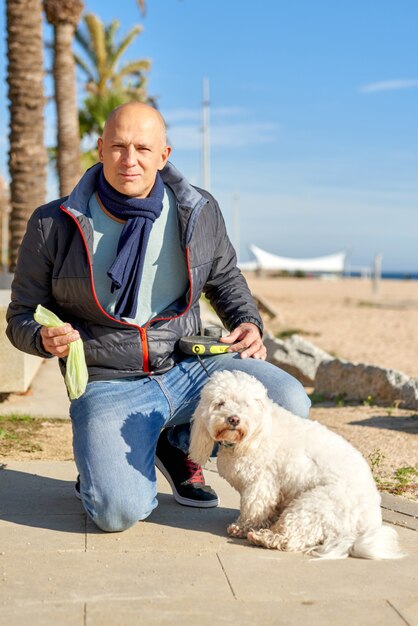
x,y
76,376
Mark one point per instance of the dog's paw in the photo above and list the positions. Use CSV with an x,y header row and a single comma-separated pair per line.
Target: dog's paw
x,y
235,531
267,539
256,537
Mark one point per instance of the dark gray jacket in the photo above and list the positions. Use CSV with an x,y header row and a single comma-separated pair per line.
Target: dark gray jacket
x,y
55,269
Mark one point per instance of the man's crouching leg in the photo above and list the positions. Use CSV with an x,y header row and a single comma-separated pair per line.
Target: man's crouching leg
x,y
115,506
115,431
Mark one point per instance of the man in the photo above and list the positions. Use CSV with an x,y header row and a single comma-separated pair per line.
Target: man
x,y
124,260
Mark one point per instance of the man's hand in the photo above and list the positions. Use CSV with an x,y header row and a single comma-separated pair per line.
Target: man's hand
x,y
56,340
246,339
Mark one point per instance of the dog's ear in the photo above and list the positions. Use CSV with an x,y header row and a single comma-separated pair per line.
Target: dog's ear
x,y
201,443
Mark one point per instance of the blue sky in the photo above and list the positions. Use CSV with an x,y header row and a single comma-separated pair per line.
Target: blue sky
x,y
314,117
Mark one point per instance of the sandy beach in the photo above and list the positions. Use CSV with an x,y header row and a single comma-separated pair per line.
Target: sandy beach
x,y
347,319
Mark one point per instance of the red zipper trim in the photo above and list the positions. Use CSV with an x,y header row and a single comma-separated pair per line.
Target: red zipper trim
x,y
145,354
142,333
142,329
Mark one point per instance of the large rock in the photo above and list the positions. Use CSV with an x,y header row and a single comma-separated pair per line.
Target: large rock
x,y
296,356
360,381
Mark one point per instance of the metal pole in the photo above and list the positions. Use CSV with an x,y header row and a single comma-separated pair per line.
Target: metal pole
x,y
205,136
377,273
236,236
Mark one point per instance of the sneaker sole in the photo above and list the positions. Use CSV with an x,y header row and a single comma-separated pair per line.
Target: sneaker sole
x,y
200,504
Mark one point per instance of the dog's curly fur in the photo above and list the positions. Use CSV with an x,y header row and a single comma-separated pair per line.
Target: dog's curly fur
x,y
303,487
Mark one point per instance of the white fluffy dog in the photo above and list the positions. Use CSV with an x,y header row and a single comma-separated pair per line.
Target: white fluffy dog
x,y
303,487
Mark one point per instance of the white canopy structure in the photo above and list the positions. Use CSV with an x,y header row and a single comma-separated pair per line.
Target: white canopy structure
x,y
333,263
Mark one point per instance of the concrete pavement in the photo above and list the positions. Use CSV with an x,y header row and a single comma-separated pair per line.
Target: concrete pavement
x,y
57,568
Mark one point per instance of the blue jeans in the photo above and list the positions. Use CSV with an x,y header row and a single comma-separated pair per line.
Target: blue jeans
x,y
116,426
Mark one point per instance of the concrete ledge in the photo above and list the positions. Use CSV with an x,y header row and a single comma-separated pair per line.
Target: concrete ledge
x,y
17,369
399,511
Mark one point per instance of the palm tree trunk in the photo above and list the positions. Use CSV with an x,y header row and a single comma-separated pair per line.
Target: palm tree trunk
x,y
64,16
27,152
68,158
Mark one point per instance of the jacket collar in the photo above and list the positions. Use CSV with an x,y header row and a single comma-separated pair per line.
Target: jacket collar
x,y
187,196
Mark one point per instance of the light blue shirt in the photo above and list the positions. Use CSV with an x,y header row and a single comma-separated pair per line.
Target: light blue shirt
x,y
164,278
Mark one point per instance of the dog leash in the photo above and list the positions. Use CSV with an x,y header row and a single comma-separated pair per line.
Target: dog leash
x,y
199,358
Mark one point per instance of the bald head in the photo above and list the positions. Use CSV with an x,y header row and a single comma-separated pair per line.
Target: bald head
x,y
133,148
132,111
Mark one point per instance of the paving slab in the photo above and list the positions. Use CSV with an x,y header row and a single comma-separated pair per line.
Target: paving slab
x,y
41,614
80,577
56,567
38,488
216,610
43,533
173,527
407,609
170,528
205,612
294,576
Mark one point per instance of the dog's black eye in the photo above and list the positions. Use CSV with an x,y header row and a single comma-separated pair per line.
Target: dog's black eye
x,y
219,404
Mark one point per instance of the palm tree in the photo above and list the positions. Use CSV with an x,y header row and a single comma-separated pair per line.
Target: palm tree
x,y
103,55
27,152
108,84
64,15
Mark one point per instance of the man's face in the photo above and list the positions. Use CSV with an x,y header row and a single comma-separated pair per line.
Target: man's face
x,y
132,149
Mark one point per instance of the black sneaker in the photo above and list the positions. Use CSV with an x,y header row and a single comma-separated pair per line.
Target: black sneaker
x,y
77,488
185,476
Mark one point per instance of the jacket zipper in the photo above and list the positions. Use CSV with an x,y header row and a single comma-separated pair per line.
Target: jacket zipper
x,y
142,334
142,329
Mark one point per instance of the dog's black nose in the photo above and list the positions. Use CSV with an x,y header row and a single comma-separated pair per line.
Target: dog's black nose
x,y
233,420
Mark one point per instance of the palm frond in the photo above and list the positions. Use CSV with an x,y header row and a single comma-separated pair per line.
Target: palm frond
x,y
83,41
96,29
110,33
135,68
97,108
107,87
81,63
126,42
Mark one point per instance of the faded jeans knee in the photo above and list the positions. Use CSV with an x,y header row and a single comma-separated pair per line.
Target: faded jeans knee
x,y
117,515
